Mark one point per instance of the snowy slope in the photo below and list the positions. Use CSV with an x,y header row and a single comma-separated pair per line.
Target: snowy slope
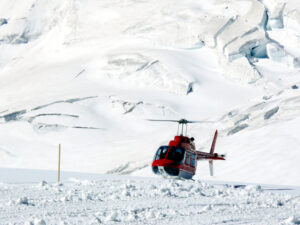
x,y
87,74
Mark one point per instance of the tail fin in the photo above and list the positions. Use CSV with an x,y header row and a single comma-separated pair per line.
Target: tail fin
x,y
212,149
211,167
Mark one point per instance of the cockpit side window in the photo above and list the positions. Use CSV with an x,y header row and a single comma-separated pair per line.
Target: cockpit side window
x,y
161,153
156,156
187,158
193,159
176,154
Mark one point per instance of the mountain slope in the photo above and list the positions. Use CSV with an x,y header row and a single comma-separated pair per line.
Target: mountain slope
x,y
88,74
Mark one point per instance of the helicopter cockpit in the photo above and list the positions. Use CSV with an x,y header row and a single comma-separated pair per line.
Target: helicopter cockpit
x,y
161,153
176,154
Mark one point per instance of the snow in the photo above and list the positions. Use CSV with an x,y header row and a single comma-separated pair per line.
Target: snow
x,y
88,75
111,199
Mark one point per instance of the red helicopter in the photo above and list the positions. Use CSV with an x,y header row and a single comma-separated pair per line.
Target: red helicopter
x,y
179,158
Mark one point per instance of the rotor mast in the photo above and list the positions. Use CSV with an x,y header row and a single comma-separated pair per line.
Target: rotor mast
x,y
183,122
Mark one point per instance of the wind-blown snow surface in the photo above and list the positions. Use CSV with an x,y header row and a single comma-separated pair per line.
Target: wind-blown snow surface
x,y
87,74
111,199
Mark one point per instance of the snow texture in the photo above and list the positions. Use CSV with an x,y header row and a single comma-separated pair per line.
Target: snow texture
x,y
130,200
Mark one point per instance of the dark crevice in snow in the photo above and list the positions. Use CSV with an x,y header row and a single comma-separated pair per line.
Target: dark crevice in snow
x,y
232,113
264,22
15,39
237,129
259,52
49,126
197,45
81,72
51,114
260,105
147,65
274,42
265,25
190,88
236,38
55,127
229,115
277,22
249,32
225,46
22,39
7,152
3,21
72,100
13,116
296,62
271,113
224,27
91,128
254,49
245,117
257,48
255,68
266,98
125,104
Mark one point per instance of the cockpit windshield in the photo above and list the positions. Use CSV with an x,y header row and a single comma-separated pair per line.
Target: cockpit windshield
x,y
161,152
176,154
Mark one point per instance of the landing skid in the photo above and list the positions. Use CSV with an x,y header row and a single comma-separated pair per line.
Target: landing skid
x,y
181,176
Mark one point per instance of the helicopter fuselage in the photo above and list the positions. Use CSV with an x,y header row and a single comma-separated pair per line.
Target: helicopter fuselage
x,y
178,159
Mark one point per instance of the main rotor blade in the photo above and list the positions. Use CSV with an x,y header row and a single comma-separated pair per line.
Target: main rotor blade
x,y
176,121
200,121
182,121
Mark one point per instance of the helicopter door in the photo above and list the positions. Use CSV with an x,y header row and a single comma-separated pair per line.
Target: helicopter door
x,y
193,159
187,158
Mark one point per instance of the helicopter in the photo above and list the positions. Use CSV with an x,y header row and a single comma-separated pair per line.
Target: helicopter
x,y
179,158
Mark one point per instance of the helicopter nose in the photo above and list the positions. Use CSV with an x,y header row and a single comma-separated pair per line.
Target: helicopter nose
x,y
155,169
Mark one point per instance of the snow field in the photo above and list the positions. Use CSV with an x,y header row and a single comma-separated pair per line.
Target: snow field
x,y
130,200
